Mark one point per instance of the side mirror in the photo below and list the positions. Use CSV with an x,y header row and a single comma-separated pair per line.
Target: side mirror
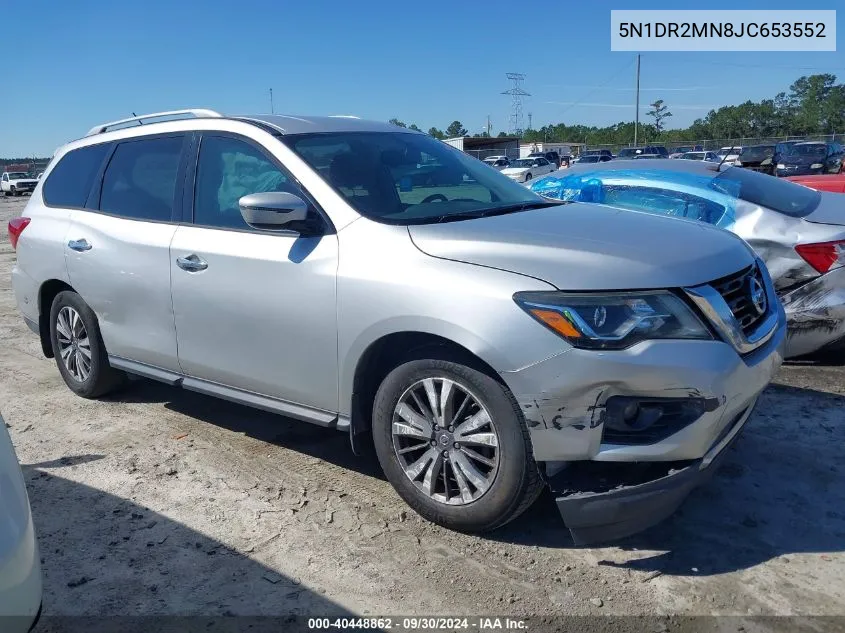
x,y
273,210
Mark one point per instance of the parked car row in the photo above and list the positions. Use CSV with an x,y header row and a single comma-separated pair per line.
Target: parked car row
x,y
496,341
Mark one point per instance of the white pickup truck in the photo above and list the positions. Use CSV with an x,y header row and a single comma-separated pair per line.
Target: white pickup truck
x,y
16,183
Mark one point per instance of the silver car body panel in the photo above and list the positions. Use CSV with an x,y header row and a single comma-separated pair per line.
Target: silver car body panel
x,y
563,246
124,277
282,322
20,562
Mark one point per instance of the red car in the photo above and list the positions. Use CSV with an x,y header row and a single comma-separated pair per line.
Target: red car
x,y
829,182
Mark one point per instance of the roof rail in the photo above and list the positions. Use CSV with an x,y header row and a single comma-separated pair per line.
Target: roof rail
x,y
196,112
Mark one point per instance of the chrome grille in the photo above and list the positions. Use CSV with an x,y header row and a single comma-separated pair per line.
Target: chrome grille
x,y
736,291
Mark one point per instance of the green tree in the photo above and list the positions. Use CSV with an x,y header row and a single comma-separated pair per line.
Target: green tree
x,y
397,122
659,113
433,131
455,128
414,127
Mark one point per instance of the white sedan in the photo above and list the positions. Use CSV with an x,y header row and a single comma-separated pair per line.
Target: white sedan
x,y
20,563
524,169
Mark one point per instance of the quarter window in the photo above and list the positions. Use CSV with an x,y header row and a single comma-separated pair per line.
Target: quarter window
x,y
140,181
70,181
229,169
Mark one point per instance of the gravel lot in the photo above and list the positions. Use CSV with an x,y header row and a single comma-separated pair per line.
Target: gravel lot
x,y
161,501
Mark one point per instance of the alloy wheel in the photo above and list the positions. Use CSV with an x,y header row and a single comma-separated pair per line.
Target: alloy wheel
x,y
74,345
445,441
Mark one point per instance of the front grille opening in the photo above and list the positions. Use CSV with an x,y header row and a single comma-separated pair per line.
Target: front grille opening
x,y
736,291
638,421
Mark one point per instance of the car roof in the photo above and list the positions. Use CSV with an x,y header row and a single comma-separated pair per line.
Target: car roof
x,y
812,143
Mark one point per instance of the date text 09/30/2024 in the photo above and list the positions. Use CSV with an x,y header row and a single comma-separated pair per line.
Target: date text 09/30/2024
x,y
418,624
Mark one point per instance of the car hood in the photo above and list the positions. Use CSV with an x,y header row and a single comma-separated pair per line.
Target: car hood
x,y
831,209
515,170
19,181
590,247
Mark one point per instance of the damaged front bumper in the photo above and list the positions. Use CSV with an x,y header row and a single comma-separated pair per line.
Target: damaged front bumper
x,y
815,314
570,401
600,502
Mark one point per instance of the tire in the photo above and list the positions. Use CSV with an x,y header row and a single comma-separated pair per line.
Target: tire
x,y
527,177
14,192
100,377
511,486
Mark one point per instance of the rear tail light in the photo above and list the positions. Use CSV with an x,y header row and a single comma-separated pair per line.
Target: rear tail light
x,y
16,227
824,255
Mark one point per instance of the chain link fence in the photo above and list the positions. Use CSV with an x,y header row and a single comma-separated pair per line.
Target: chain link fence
x,y
718,143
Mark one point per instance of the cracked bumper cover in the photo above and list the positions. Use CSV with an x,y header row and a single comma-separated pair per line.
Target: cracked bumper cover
x,y
815,314
563,401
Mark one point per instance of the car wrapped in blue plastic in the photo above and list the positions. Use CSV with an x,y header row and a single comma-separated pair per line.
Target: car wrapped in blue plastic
x,y
798,232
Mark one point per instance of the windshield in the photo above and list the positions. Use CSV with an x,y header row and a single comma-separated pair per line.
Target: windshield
x,y
522,162
774,193
18,175
807,150
760,152
693,156
627,152
405,178
589,159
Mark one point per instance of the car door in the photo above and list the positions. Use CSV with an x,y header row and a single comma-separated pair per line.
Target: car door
x,y
117,252
256,309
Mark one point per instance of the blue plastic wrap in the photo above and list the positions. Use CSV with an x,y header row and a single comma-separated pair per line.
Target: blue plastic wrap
x,y
663,192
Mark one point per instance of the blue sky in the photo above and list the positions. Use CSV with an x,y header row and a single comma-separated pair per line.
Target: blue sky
x,y
89,61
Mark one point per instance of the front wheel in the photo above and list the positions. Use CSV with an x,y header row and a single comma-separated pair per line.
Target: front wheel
x,y
452,442
14,191
527,177
78,347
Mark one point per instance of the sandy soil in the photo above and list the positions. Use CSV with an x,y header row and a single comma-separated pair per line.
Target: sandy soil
x,y
161,501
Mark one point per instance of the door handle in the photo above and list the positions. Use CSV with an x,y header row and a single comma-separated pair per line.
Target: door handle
x,y
79,245
192,263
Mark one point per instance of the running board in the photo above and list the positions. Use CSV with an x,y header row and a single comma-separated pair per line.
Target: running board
x,y
266,403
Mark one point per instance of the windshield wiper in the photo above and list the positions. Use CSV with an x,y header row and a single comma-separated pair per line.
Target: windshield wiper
x,y
485,213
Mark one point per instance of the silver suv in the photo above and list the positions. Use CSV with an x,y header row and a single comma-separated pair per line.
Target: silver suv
x,y
379,282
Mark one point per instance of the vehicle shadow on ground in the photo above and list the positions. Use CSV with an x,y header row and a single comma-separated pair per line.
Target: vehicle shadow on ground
x,y
780,491
306,438
140,563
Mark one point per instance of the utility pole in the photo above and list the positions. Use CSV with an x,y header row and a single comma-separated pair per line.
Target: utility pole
x,y
637,121
529,121
271,101
489,126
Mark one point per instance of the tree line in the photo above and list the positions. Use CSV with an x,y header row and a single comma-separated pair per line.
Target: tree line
x,y
814,104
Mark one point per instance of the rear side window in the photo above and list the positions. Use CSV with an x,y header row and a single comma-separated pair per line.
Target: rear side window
x,y
70,181
140,181
774,193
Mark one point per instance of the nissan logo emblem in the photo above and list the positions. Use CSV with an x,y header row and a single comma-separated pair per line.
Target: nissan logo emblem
x,y
758,295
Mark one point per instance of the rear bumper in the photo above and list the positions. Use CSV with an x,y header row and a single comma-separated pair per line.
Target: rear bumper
x,y
815,314
610,508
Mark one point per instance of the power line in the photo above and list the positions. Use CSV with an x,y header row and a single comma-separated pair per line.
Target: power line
x,y
597,88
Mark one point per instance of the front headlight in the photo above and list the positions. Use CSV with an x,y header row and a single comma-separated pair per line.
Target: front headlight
x,y
816,166
613,321
781,166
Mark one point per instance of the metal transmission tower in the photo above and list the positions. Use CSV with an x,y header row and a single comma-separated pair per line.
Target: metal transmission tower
x,y
516,93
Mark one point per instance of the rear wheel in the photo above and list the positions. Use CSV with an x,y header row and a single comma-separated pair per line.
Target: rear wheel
x,y
452,442
78,347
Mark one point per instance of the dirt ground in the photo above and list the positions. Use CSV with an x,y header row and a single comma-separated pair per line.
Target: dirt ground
x,y
161,501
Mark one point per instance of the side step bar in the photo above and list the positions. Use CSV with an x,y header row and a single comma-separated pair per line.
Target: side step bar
x,y
319,417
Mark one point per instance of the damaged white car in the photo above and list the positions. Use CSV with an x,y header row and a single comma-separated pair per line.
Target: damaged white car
x,y
798,232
